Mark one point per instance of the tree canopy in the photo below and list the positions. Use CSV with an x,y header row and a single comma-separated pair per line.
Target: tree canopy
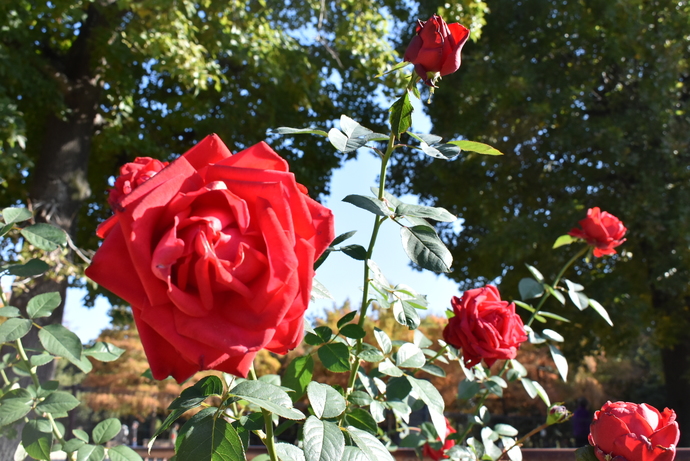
x,y
589,102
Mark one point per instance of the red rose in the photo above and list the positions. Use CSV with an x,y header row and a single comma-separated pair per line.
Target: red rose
x,y
484,327
132,175
428,451
435,50
215,254
624,431
602,230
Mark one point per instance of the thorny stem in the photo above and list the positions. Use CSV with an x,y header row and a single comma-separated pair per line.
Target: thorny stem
x,y
370,250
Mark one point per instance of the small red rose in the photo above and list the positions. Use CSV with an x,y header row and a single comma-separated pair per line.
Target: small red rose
x,y
132,175
484,327
601,230
215,254
437,454
632,432
435,50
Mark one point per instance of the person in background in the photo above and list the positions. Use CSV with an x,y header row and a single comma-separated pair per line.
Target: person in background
x,y
581,420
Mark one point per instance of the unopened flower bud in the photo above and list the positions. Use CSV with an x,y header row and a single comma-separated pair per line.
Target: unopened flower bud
x,y
557,414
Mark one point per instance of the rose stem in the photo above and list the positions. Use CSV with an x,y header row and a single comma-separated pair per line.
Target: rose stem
x,y
374,233
268,421
558,279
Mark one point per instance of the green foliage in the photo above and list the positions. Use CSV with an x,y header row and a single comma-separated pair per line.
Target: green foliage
x,y
41,404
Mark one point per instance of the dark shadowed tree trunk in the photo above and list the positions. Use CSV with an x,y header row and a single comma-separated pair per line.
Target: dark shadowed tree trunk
x,y
59,185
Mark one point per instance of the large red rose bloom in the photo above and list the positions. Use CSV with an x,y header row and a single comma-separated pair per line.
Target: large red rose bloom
x,y
215,254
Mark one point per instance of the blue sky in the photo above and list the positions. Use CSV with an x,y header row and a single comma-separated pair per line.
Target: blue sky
x,y
341,275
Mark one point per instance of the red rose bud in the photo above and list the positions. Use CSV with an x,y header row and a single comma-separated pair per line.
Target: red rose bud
x,y
601,230
132,175
435,50
623,430
439,453
215,254
557,414
484,327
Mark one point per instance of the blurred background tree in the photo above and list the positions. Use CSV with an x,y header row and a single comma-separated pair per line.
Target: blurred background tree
x,y
589,102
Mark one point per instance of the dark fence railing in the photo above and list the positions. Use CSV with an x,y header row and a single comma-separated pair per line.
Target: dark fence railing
x,y
405,454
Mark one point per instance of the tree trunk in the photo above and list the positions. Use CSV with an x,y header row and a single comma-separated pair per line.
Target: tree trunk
x,y
59,185
676,362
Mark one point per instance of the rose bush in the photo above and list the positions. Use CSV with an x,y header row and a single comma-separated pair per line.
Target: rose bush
x,y
624,431
215,254
602,230
484,327
435,50
439,453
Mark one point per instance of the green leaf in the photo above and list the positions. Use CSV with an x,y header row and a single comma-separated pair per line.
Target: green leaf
x,y
530,288
360,398
434,370
421,211
406,314
81,435
352,330
552,335
505,430
335,357
401,115
325,401
319,291
352,128
441,151
434,401
194,395
41,359
73,445
361,419
91,453
32,268
563,240
553,316
477,147
347,318
123,453
106,430
494,388
424,247
323,440
383,340
288,130
9,312
342,237
353,454
410,356
58,402
105,352
520,368
542,393
371,204
555,293
59,341
357,252
36,442
535,273
43,305
44,236
387,368
298,375
268,397
600,310
428,138
338,139
14,215
585,453
14,405
371,355
370,445
13,329
209,439
560,361
289,452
